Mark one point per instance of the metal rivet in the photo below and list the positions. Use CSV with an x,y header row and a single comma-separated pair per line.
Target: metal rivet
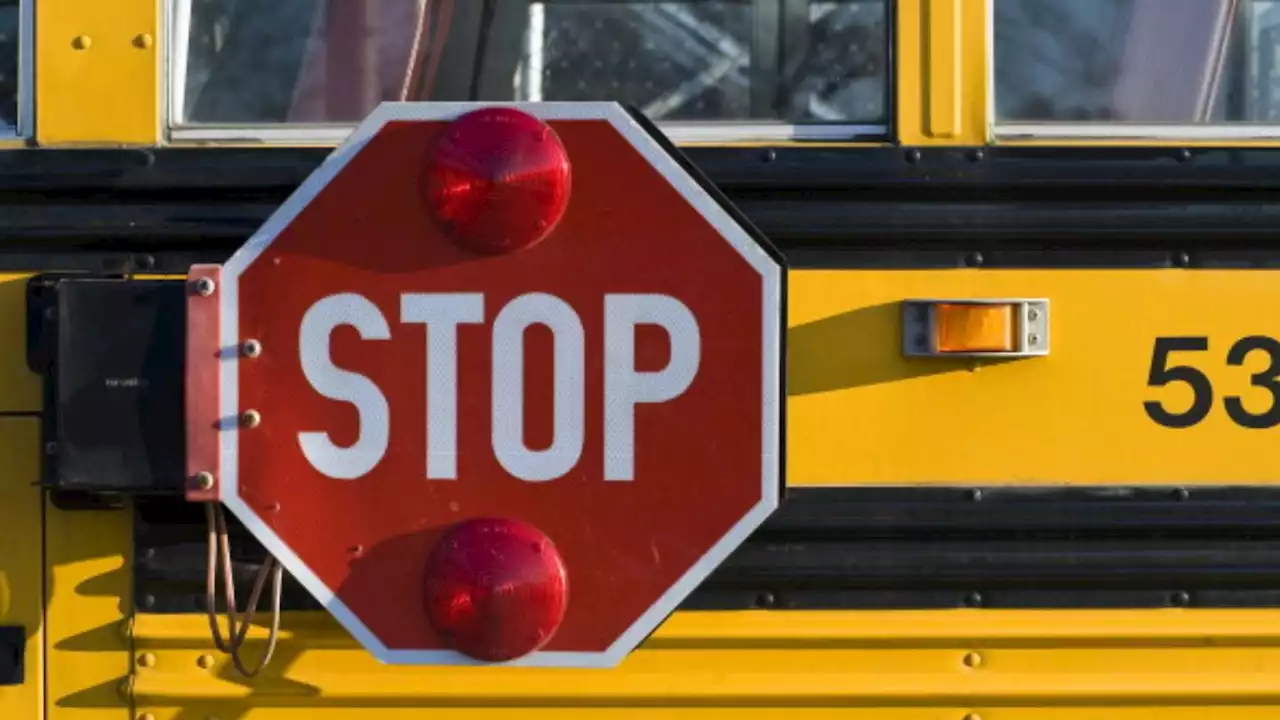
x,y
766,600
126,629
972,716
1033,314
125,689
1182,259
975,494
1181,494
145,262
357,550
973,599
913,156
204,480
51,448
251,348
204,286
146,716
1184,155
250,419
273,507
1180,599
769,155
205,661
974,259
146,660
143,41
972,659
976,155
1033,339
148,601
81,42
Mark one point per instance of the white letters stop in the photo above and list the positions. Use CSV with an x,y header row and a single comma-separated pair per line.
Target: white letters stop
x,y
442,313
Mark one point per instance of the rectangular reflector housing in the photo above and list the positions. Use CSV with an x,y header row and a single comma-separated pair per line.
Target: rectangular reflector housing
x,y
972,327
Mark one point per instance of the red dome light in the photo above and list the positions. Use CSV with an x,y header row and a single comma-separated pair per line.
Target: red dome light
x,y
496,589
498,180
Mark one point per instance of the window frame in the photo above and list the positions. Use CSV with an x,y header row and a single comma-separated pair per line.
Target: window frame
x,y
177,22
23,127
998,131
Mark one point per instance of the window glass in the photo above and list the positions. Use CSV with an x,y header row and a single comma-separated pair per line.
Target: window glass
x,y
1137,61
10,35
307,61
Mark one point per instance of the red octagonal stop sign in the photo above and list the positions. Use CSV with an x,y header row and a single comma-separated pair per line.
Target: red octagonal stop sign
x,y
509,384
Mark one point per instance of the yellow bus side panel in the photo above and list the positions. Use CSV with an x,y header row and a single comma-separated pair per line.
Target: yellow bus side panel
x,y
940,87
21,586
99,72
88,555
19,387
859,412
906,665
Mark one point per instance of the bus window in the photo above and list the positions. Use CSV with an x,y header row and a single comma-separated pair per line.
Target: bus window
x,y
13,34
720,67
1178,62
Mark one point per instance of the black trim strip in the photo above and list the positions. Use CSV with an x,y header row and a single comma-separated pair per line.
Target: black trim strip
x,y
882,207
845,548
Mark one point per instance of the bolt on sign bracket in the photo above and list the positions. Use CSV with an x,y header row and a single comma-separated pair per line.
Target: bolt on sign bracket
x,y
975,327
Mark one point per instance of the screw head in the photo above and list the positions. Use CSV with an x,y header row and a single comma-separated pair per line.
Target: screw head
x,y
250,419
1033,314
251,348
204,287
204,480
1033,339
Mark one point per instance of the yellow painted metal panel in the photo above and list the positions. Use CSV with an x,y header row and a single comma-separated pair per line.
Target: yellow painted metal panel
x,y
940,72
19,387
21,572
98,78
861,413
943,48
862,664
89,581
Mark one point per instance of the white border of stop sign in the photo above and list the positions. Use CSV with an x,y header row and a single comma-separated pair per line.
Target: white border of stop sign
x,y
771,274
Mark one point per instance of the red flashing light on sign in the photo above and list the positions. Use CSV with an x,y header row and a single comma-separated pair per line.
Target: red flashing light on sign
x,y
496,589
498,180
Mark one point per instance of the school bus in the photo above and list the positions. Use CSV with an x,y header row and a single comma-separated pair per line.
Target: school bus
x,y
1090,532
